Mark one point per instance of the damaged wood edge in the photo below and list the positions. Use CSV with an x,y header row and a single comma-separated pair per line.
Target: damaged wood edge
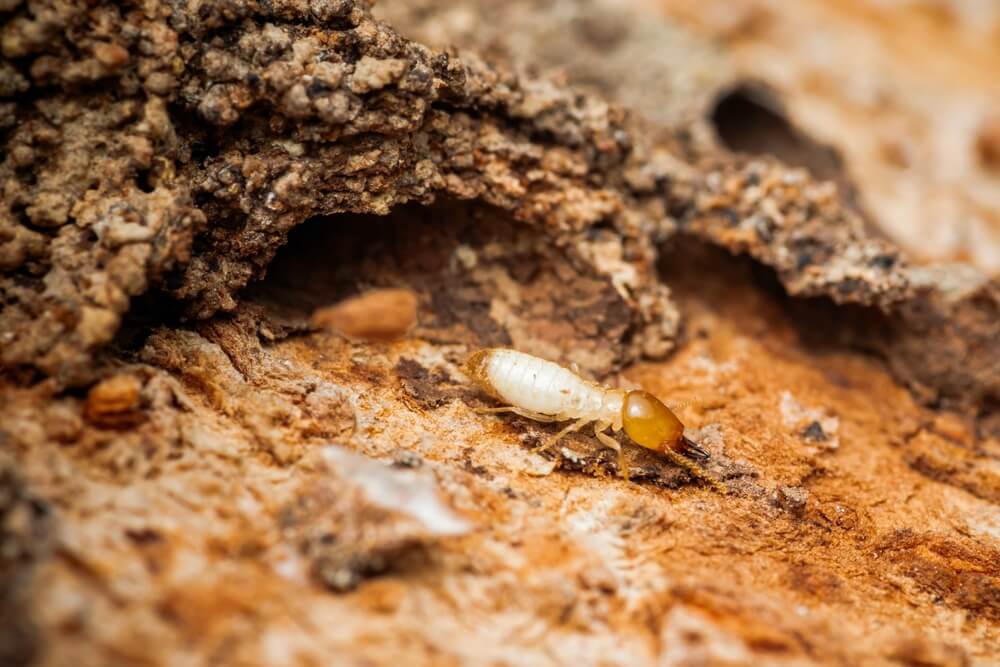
x,y
939,337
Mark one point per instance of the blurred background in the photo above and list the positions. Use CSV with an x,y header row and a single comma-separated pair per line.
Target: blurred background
x,y
896,100
907,92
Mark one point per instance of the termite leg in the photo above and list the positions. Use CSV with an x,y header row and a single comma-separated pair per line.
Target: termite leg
x,y
575,426
683,462
537,416
611,443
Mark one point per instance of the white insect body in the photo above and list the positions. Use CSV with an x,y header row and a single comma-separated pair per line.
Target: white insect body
x,y
547,392
546,388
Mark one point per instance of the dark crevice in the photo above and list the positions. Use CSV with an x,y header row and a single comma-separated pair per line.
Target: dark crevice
x,y
147,312
144,180
901,340
751,119
468,264
821,324
331,258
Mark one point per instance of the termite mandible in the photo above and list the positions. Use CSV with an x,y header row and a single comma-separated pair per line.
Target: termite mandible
x,y
545,391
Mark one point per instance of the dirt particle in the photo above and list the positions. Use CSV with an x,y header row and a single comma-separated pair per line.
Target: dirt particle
x,y
114,403
110,55
812,424
404,458
377,315
814,432
792,499
373,74
428,389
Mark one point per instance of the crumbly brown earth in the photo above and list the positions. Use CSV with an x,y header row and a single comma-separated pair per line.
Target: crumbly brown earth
x,y
185,184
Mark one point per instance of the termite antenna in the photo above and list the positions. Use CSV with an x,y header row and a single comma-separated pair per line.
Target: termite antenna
x,y
693,450
696,472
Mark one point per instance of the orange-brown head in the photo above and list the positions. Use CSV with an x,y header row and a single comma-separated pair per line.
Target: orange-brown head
x,y
651,424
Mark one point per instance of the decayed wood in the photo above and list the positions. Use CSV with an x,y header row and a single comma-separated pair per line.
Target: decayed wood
x,y
192,472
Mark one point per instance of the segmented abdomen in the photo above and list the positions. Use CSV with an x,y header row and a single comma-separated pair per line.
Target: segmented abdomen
x,y
540,386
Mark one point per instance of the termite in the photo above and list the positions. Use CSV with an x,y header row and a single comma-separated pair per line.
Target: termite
x,y
545,391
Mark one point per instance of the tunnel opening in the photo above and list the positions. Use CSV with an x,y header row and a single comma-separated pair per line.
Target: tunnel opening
x,y
481,279
753,296
749,296
751,119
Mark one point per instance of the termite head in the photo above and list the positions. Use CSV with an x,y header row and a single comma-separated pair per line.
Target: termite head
x,y
651,424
